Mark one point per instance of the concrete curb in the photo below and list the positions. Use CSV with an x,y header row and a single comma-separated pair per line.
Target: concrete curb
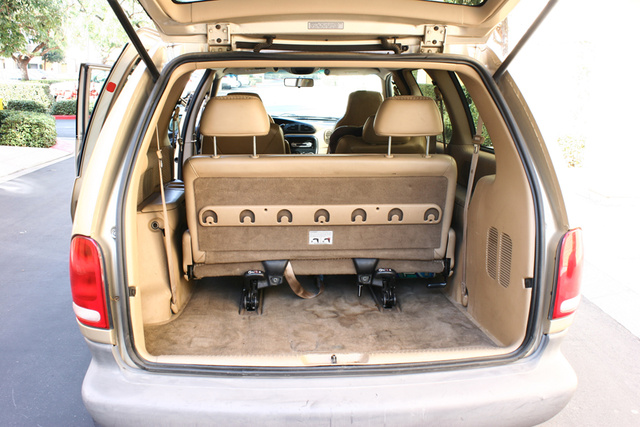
x,y
28,170
18,161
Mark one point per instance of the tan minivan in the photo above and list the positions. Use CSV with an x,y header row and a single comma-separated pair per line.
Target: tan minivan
x,y
322,212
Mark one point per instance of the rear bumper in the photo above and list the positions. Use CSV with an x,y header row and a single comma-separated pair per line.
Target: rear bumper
x,y
527,392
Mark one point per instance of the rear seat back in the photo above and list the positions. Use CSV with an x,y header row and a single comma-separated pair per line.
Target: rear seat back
x,y
320,212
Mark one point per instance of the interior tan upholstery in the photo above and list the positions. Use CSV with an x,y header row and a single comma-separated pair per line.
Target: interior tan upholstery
x,y
243,210
361,105
234,120
271,143
255,95
408,116
236,115
370,142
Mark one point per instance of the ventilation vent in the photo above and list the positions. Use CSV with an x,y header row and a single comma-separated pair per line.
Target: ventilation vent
x,y
499,267
505,259
492,253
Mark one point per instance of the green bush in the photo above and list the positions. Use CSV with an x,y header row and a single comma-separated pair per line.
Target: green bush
x,y
27,129
25,105
64,108
31,91
3,114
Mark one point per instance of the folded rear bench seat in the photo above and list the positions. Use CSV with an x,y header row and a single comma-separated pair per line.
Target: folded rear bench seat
x,y
367,214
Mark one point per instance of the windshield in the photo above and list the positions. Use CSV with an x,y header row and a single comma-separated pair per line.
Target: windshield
x,y
326,99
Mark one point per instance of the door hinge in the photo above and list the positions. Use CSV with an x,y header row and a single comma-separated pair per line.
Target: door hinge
x,y
434,39
218,37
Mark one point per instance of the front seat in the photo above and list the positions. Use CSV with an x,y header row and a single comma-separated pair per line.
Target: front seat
x,y
370,142
361,105
271,143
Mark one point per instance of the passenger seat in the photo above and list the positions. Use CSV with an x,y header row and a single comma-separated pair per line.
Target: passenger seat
x,y
361,105
370,142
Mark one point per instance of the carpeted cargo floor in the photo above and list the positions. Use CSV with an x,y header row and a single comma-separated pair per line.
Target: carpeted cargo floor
x,y
335,321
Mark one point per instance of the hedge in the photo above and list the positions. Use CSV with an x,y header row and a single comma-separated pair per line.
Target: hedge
x,y
25,105
31,91
27,129
64,108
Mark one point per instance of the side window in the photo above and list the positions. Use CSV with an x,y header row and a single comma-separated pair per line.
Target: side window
x,y
391,86
472,112
428,88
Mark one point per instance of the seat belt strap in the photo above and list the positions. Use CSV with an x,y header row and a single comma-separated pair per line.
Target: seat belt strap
x,y
478,138
296,286
441,105
167,230
465,215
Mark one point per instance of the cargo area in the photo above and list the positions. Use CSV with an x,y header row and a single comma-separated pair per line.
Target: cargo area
x,y
336,215
336,321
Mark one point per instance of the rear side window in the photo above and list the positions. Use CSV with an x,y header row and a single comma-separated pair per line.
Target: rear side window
x,y
472,112
428,88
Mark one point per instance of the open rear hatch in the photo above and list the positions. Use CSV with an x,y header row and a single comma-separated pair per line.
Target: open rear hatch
x,y
210,313
376,233
415,26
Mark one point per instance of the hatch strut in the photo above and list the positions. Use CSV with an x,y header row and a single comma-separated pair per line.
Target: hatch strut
x,y
137,43
503,67
270,43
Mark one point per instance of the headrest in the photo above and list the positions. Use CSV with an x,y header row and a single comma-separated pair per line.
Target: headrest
x,y
370,137
408,116
255,95
234,115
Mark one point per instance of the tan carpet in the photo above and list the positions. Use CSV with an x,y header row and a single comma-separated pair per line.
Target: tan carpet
x,y
336,321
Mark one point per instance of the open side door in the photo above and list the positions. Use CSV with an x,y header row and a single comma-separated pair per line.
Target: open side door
x,y
91,81
93,108
89,122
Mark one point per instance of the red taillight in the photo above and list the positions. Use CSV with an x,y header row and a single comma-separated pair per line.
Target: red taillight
x,y
569,274
87,283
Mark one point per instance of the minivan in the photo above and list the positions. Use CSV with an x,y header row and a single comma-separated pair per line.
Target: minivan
x,y
326,213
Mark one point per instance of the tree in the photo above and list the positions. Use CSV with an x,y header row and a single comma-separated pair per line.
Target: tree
x,y
30,28
54,55
96,21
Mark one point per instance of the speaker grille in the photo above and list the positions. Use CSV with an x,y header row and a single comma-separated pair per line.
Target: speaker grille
x,y
492,253
506,247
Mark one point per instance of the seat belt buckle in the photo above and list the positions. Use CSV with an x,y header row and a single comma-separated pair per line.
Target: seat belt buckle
x,y
274,271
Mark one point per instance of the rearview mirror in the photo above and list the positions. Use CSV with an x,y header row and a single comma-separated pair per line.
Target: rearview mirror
x,y
298,82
